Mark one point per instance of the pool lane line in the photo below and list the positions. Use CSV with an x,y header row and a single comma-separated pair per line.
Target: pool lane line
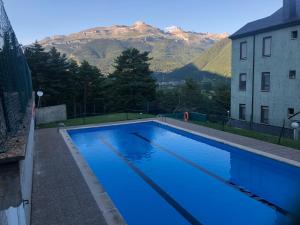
x,y
229,183
180,209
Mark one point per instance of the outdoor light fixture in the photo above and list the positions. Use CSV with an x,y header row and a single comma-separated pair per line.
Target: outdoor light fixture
x,y
295,126
40,94
228,115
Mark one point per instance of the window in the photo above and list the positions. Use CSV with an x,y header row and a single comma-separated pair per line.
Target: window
x,y
242,112
265,81
291,112
294,34
264,115
267,42
292,74
243,82
243,50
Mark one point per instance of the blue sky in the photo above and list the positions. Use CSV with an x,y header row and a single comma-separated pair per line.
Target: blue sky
x,y
35,19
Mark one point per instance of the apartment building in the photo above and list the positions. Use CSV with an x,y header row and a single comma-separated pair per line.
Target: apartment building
x,y
266,70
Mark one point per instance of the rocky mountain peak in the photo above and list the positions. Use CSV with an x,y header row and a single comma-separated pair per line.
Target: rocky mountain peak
x,y
140,23
101,45
142,26
174,29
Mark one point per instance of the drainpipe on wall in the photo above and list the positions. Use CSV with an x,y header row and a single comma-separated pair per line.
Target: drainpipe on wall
x,y
253,76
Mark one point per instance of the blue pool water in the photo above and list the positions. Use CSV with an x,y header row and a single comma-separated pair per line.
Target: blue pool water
x,y
159,175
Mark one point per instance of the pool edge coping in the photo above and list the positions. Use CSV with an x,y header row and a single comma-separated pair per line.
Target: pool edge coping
x,y
105,204
198,133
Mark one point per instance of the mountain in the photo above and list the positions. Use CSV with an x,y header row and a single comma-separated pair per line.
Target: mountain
x,y
170,49
213,63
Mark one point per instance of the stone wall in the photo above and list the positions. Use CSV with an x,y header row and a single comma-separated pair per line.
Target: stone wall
x,y
51,114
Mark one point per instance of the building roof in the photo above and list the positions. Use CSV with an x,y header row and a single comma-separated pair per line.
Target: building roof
x,y
274,22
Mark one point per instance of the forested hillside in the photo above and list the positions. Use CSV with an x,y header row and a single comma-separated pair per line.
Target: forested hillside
x,y
213,63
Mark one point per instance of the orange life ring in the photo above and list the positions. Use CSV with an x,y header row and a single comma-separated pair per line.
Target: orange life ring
x,y
186,116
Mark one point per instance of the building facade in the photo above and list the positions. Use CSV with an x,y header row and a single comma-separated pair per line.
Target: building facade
x,y
265,88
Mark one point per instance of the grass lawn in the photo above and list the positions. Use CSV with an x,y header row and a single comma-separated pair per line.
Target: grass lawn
x,y
98,119
252,134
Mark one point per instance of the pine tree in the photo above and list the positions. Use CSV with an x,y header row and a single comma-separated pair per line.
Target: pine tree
x,y
133,85
89,77
37,60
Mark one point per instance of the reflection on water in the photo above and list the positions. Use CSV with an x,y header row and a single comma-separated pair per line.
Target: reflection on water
x,y
273,182
123,138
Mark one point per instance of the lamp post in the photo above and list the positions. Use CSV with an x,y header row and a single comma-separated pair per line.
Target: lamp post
x,y
39,94
295,126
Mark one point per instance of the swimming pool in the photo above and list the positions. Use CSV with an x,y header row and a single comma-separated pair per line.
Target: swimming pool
x,y
160,175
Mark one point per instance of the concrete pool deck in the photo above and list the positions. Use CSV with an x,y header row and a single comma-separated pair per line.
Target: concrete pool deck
x,y
61,194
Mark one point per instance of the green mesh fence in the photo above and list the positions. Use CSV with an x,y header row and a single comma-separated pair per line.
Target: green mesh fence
x,y
15,81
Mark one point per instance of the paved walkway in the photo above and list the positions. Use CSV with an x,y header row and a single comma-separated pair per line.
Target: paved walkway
x,y
282,151
60,195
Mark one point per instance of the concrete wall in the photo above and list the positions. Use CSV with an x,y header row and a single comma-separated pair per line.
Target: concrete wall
x,y
51,114
13,216
284,92
26,172
20,214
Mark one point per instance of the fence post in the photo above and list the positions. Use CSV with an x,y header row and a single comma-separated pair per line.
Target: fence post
x,y
281,132
84,115
3,126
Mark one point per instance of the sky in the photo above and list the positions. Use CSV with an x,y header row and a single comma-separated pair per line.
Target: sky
x,y
36,19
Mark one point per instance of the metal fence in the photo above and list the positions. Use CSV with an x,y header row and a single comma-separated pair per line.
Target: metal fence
x,y
15,80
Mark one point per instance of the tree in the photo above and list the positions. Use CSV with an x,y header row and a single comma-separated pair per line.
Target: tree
x,y
72,86
62,80
57,77
191,96
52,73
89,78
222,98
167,100
37,60
133,85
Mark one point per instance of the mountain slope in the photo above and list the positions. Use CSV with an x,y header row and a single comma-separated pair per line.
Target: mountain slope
x,y
216,61
170,49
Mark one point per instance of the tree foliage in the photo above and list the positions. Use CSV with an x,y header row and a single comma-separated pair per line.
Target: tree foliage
x,y
130,87
84,89
134,85
193,96
63,81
